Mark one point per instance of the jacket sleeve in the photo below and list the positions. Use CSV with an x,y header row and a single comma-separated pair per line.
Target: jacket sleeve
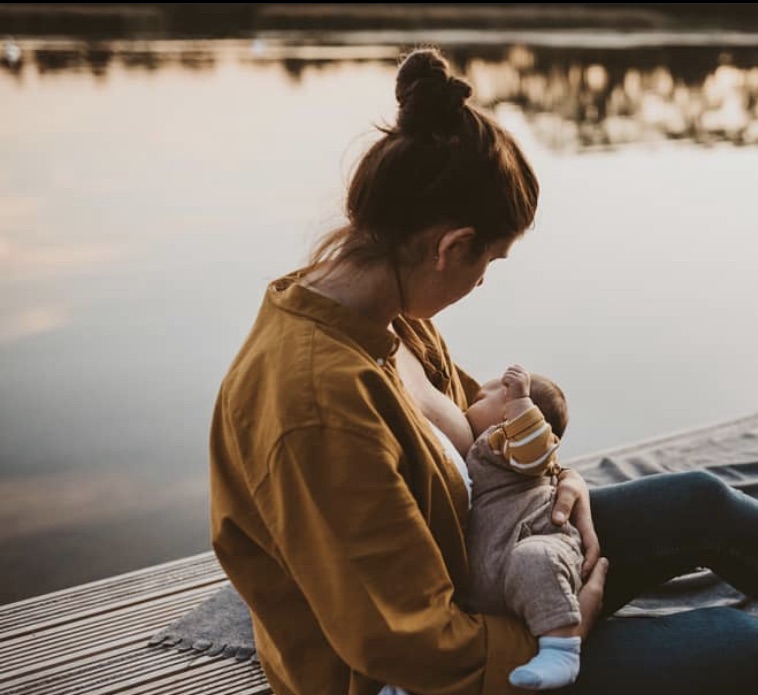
x,y
530,445
350,533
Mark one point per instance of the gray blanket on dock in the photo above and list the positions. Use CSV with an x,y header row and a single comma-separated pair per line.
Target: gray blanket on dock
x,y
221,625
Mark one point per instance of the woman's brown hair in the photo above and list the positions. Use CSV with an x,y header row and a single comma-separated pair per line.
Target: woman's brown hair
x,y
443,163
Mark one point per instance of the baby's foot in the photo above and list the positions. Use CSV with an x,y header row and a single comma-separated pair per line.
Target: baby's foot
x,y
555,665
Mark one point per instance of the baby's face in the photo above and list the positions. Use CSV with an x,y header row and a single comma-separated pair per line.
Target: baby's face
x,y
492,390
490,402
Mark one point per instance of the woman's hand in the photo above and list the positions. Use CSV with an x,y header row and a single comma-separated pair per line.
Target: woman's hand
x,y
591,597
572,502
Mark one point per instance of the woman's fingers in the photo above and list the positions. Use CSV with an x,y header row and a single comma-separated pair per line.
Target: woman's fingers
x,y
567,495
582,519
591,547
591,596
572,501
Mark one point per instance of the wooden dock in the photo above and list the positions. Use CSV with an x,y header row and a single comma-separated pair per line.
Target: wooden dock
x,y
93,638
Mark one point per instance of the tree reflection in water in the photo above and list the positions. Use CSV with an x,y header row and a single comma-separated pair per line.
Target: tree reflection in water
x,y
588,99
576,98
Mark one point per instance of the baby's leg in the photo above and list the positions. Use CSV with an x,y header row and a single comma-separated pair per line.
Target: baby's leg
x,y
541,583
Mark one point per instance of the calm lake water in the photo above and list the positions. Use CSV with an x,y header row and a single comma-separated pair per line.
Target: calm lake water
x,y
150,191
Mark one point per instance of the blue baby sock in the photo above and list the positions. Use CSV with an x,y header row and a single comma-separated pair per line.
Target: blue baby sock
x,y
555,665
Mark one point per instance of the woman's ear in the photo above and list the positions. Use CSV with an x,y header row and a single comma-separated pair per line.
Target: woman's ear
x,y
453,245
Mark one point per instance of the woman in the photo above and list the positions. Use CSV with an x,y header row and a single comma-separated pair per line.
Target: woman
x,y
338,515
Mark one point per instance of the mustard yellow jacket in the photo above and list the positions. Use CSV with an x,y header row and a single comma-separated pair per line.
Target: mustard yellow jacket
x,y
337,516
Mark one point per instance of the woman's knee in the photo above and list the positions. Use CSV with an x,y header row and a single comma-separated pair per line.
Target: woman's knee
x,y
705,492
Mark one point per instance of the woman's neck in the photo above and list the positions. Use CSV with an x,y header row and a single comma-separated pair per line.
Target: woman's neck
x,y
371,291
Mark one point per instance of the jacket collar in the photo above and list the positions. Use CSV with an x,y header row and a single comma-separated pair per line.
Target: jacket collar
x,y
287,294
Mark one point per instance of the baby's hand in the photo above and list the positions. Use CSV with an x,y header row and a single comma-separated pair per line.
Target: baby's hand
x,y
516,381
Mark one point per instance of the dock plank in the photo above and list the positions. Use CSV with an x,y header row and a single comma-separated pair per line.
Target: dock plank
x,y
93,638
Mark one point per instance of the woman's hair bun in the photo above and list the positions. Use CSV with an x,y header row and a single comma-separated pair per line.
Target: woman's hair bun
x,y
429,98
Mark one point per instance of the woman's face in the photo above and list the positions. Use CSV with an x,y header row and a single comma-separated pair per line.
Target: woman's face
x,y
448,282
471,271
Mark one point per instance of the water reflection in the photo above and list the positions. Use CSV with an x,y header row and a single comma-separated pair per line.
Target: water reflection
x,y
11,54
97,58
576,97
31,321
580,100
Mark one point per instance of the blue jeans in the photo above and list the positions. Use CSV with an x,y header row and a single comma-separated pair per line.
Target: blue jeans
x,y
651,530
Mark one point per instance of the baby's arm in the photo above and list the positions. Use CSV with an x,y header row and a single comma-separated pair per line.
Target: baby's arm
x,y
528,444
517,381
500,399
526,440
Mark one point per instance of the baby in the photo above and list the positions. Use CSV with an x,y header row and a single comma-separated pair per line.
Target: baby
x,y
520,561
